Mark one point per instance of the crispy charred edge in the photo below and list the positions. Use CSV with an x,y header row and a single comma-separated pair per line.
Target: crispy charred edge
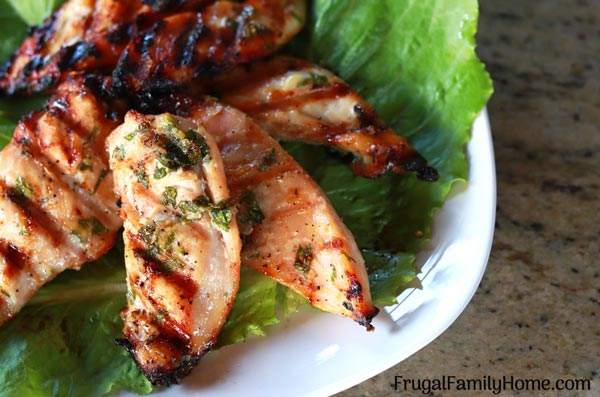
x,y
38,35
392,157
363,311
162,377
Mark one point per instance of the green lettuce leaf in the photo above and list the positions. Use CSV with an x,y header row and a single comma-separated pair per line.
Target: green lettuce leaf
x,y
34,12
7,126
12,30
61,344
414,60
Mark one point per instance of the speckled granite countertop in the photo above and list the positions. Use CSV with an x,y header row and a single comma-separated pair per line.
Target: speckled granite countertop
x,y
536,313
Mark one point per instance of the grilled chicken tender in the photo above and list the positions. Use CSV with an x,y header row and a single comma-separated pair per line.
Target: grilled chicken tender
x,y
182,244
177,48
294,100
289,228
57,206
153,46
82,35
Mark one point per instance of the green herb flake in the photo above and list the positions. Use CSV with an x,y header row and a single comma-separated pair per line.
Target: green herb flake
x,y
193,210
221,217
268,160
304,257
142,177
297,17
5,293
184,149
165,160
159,317
253,213
119,152
129,136
103,174
85,166
23,188
79,236
97,227
253,29
170,265
160,172
189,207
314,79
148,233
169,240
199,150
169,196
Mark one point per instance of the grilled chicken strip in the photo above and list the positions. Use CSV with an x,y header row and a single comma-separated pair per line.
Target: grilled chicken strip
x,y
179,47
294,100
57,206
182,244
153,46
289,228
82,35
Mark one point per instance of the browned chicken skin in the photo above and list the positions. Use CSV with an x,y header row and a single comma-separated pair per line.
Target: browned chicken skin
x,y
182,244
57,207
294,100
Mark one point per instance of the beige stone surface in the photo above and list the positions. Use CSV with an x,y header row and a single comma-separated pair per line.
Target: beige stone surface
x,y
536,314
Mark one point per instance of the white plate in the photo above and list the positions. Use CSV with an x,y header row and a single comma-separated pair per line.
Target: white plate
x,y
317,354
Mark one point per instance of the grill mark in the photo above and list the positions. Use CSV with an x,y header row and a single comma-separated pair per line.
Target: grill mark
x,y
16,260
239,182
280,99
80,51
154,266
37,218
146,40
186,43
170,343
120,34
86,201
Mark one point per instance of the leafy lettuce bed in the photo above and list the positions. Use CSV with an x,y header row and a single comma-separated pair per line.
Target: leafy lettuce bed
x,y
414,60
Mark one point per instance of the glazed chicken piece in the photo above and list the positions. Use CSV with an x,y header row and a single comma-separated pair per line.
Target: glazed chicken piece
x,y
57,206
179,47
294,100
82,35
156,46
289,228
182,244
